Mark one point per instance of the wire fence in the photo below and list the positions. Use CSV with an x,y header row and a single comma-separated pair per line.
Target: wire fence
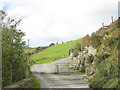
x,y
13,74
0,77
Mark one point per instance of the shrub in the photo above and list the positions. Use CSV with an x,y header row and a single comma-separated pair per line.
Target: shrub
x,y
111,42
75,53
97,81
112,83
79,47
95,40
14,61
90,59
116,25
86,40
105,33
101,57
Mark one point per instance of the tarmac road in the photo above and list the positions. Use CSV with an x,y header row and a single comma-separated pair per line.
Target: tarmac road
x,y
45,74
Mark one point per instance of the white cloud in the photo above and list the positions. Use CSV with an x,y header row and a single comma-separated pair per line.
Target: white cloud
x,y
61,20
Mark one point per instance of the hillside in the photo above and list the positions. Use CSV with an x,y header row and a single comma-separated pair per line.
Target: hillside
x,y
53,53
29,50
102,68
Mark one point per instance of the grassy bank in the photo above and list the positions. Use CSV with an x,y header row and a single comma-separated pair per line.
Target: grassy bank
x,y
54,53
36,83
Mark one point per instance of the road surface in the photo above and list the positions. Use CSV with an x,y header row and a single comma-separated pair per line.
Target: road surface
x,y
45,74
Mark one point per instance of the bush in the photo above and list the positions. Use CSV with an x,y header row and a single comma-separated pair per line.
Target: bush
x,y
105,33
102,68
14,63
106,60
111,42
86,40
116,25
79,47
75,53
97,81
112,83
90,59
95,40
101,57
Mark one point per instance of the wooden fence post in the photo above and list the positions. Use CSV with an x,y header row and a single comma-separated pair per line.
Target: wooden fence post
x,y
112,18
57,68
103,25
11,73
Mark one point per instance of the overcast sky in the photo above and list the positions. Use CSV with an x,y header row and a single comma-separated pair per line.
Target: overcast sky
x,y
46,21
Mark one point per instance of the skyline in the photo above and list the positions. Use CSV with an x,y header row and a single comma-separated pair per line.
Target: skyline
x,y
47,21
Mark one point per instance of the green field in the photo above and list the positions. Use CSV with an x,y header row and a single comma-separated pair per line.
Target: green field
x,y
54,53
30,50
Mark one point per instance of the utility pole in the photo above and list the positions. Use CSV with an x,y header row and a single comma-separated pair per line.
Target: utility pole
x,y
1,24
80,58
27,60
112,18
119,10
28,45
103,25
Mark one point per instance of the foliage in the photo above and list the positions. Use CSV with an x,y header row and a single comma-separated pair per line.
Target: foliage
x,y
41,48
95,40
114,26
13,56
90,59
106,62
85,40
52,44
75,52
112,83
104,32
97,81
111,41
77,48
118,24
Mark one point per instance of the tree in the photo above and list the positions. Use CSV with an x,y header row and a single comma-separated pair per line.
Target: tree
x,y
13,57
52,44
56,43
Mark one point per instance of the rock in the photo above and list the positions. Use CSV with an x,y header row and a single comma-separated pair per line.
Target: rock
x,y
92,50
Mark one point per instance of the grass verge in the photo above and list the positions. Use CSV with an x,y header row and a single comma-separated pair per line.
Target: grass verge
x,y
36,83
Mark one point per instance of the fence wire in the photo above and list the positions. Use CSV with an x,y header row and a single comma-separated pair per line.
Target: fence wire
x,y
13,74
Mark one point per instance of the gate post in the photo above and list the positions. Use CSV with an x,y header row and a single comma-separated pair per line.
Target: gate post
x,y
11,73
57,68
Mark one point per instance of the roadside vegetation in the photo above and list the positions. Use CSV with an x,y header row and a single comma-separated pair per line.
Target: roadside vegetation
x,y
36,83
104,66
14,58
